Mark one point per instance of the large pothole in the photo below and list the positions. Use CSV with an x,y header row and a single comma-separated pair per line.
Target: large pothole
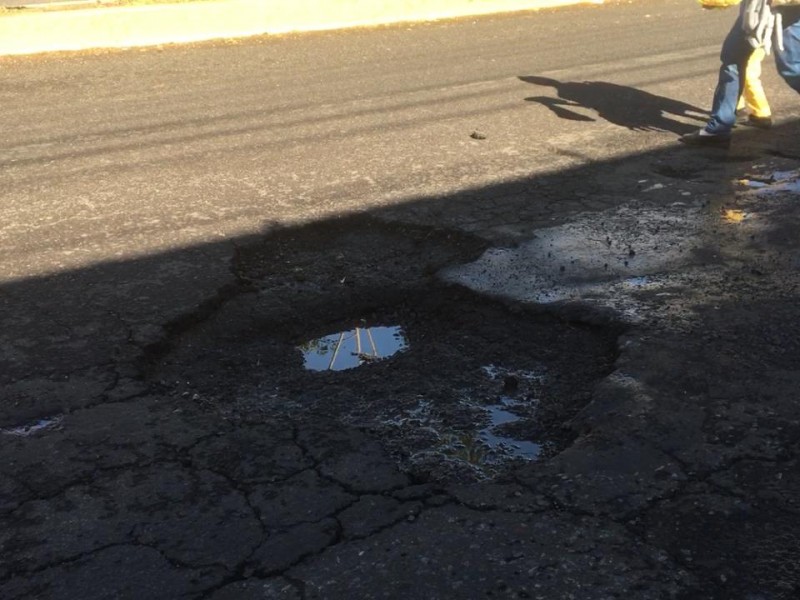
x,y
457,386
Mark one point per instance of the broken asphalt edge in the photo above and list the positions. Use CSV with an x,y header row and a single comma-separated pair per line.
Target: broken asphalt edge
x,y
35,32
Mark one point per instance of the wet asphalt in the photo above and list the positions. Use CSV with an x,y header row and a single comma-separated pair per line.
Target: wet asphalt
x,y
162,438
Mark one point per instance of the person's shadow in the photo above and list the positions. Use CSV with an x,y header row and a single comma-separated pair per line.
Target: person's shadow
x,y
618,104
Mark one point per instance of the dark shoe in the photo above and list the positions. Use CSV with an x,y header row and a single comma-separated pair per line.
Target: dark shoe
x,y
760,122
702,138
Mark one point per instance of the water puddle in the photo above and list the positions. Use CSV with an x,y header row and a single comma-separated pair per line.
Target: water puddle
x,y
491,445
777,181
637,282
502,413
353,348
442,434
35,427
499,415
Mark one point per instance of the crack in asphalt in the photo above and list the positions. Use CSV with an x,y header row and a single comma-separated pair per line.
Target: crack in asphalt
x,y
173,561
340,540
183,323
237,487
67,560
88,483
337,538
206,310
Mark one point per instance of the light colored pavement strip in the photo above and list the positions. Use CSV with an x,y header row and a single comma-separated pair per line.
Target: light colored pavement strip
x,y
146,25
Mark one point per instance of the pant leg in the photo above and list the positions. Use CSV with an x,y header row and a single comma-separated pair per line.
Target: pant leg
x,y
754,97
734,56
788,61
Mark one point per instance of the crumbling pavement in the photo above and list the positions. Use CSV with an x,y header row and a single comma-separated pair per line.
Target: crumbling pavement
x,y
173,446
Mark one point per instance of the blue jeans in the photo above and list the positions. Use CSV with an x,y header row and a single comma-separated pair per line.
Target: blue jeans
x,y
788,61
734,56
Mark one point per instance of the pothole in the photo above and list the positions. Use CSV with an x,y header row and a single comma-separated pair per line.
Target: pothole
x,y
475,387
454,384
352,348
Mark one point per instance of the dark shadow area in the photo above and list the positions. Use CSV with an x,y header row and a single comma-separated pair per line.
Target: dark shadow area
x,y
95,319
618,104
190,361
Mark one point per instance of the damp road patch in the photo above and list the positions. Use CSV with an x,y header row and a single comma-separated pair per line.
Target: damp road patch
x,y
614,260
567,261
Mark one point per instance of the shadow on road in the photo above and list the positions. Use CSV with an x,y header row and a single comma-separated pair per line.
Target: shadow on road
x,y
618,104
141,365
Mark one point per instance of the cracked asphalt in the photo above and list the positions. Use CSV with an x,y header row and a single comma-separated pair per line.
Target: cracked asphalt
x,y
632,316
199,459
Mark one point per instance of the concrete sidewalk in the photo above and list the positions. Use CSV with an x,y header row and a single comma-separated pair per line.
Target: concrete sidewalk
x,y
36,31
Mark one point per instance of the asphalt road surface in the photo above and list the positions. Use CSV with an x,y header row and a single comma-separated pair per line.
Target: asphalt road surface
x,y
112,154
603,406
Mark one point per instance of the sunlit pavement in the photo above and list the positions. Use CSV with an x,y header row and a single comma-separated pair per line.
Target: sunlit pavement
x,y
78,28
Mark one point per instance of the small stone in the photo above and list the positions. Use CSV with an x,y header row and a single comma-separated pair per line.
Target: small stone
x,y
510,384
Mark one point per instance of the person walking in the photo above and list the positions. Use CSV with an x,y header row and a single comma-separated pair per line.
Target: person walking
x,y
739,82
753,100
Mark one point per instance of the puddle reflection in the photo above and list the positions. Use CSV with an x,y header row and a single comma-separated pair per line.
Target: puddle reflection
x,y
353,348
